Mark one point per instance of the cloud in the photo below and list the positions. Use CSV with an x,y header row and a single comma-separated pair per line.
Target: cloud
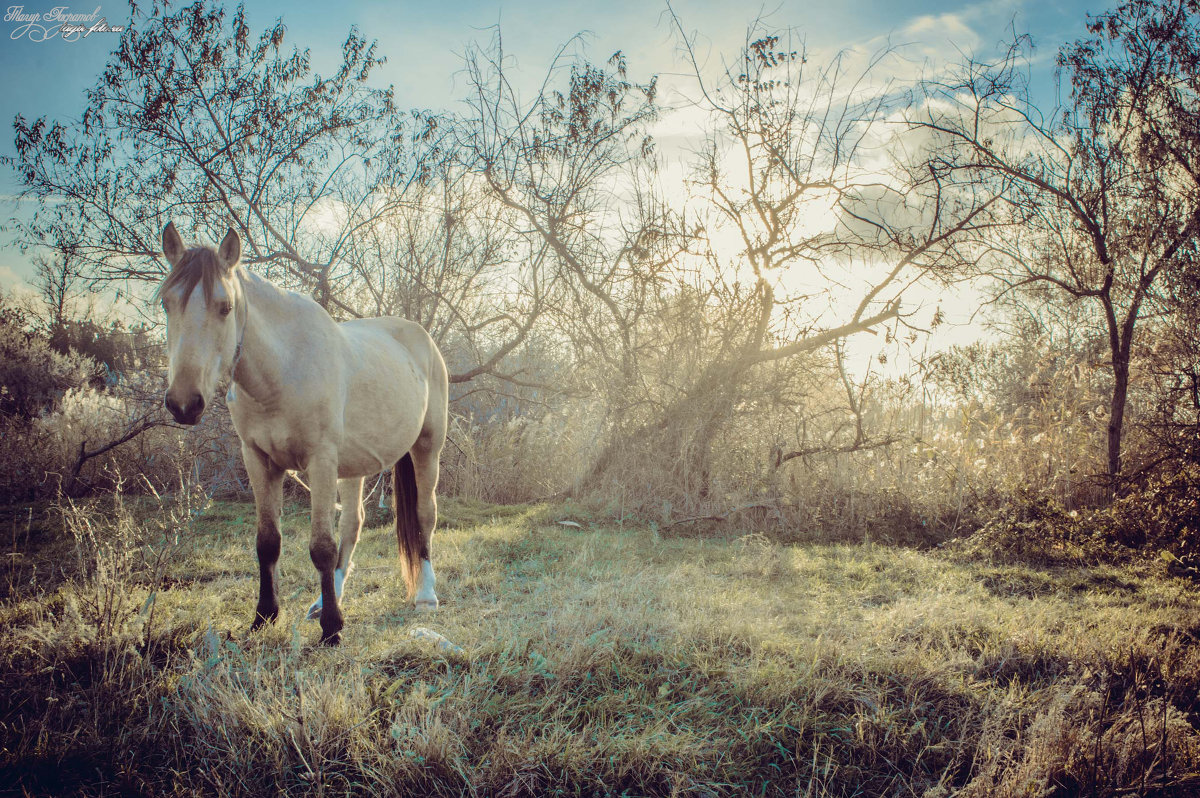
x,y
947,26
11,281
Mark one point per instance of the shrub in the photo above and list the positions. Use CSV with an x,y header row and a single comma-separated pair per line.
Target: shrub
x,y
33,375
521,459
1162,515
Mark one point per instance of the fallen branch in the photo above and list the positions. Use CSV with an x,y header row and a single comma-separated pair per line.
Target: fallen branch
x,y
720,516
857,446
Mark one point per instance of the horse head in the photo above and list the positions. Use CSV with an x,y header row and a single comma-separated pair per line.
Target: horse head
x,y
203,335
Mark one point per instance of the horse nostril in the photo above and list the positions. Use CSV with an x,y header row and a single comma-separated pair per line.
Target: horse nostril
x,y
171,405
197,404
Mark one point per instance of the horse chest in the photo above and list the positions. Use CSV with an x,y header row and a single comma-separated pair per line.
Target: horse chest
x,y
283,451
285,443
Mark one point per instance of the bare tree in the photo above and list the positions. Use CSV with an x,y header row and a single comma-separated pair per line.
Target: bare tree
x,y
830,233
61,287
573,167
196,118
448,260
1104,194
566,164
639,288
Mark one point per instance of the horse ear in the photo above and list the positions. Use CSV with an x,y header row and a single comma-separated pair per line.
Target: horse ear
x,y
230,249
172,244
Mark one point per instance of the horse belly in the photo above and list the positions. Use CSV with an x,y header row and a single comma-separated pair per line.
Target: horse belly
x,y
385,411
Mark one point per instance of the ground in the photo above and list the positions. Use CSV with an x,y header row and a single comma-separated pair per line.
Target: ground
x,y
597,659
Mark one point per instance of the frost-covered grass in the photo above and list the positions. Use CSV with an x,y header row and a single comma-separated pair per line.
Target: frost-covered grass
x,y
597,660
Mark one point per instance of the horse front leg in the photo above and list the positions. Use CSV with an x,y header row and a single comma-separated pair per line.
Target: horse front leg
x,y
350,493
267,482
322,473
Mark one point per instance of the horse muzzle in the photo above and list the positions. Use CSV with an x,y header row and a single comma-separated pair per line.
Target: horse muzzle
x,y
186,411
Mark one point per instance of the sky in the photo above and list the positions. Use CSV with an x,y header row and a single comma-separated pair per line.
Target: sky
x,y
424,42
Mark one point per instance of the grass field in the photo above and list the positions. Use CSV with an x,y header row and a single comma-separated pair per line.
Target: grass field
x,y
596,660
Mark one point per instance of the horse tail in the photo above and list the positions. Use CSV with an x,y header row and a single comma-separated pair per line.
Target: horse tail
x,y
413,546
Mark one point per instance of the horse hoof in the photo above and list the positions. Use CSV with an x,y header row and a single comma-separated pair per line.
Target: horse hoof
x,y
261,620
427,605
334,639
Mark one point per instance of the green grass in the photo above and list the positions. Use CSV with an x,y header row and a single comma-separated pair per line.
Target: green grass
x,y
597,660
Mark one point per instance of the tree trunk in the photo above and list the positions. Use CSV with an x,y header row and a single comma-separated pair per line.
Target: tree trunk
x,y
1116,418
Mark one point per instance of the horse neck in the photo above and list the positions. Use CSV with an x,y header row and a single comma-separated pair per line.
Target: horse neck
x,y
272,337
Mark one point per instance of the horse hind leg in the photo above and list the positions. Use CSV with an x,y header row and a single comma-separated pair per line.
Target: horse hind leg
x,y
425,465
350,492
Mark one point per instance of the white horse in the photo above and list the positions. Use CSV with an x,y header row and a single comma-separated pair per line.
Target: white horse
x,y
339,401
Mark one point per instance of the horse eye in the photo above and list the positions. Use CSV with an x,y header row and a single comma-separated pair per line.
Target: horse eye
x,y
226,308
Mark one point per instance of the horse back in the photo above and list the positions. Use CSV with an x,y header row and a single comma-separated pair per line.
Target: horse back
x,y
380,336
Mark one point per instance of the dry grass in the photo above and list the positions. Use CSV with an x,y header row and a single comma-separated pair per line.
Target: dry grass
x,y
597,661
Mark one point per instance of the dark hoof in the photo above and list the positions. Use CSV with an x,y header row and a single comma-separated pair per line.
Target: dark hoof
x,y
261,619
331,626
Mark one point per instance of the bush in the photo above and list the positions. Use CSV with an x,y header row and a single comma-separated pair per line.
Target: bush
x,y
33,375
1038,531
1162,515
69,426
521,459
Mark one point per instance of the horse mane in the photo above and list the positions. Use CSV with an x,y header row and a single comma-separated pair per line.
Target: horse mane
x,y
198,265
